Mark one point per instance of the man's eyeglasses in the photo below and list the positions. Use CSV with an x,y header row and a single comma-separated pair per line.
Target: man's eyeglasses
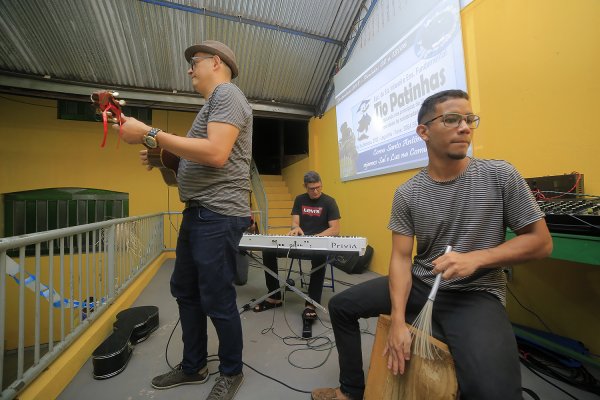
x,y
315,188
453,120
194,60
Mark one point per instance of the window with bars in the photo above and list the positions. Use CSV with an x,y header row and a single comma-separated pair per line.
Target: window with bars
x,y
85,111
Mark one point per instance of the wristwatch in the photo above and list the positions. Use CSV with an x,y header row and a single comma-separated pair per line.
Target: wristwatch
x,y
149,138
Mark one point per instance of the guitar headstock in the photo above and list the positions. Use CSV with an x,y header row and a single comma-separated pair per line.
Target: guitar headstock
x,y
106,102
109,107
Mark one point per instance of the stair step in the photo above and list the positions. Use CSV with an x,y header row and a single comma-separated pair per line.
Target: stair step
x,y
276,189
280,212
278,196
271,178
280,221
272,185
281,204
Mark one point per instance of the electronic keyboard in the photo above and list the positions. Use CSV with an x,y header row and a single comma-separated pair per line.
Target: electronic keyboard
x,y
332,244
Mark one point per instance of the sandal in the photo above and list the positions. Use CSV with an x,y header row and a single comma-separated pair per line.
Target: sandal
x,y
266,305
309,314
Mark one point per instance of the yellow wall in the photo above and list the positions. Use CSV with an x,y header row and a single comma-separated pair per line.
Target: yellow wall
x,y
532,70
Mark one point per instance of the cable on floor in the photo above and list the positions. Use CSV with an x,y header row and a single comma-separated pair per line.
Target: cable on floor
x,y
315,343
215,358
556,367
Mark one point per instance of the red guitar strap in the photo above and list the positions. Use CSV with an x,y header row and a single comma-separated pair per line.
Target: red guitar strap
x,y
105,106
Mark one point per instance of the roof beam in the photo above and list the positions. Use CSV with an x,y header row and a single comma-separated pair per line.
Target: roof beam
x,y
23,85
240,19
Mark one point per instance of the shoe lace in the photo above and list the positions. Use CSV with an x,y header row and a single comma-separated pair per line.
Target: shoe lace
x,y
221,387
175,371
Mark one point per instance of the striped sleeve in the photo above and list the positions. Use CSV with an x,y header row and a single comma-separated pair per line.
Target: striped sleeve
x,y
520,206
229,107
401,220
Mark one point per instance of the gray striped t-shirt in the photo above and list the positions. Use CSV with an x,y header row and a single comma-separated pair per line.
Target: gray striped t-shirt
x,y
468,213
222,190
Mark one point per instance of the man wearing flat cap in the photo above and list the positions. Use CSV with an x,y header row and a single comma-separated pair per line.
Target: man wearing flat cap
x,y
214,183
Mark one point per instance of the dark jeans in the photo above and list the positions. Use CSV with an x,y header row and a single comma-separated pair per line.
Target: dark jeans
x,y
473,324
202,283
315,287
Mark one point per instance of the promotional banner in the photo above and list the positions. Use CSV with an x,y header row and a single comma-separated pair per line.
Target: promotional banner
x,y
377,112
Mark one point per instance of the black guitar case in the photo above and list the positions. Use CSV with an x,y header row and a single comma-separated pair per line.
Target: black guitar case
x,y
132,326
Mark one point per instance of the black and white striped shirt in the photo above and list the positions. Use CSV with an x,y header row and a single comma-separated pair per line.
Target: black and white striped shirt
x,y
223,190
469,213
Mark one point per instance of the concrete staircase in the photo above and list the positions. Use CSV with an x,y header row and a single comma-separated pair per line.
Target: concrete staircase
x,y
280,204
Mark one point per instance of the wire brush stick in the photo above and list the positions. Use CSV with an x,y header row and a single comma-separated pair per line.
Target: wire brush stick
x,y
422,346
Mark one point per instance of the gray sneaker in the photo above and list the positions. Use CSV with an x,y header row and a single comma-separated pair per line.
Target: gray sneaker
x,y
177,377
226,387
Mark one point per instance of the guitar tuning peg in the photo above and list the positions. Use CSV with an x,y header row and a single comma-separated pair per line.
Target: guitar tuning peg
x,y
115,94
122,102
113,120
108,113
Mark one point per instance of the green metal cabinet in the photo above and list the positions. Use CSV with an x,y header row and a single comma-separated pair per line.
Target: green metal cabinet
x,y
577,248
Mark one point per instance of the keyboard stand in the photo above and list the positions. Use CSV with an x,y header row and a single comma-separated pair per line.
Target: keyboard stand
x,y
283,284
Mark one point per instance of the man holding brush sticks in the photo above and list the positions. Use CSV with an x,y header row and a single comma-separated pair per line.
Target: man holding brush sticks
x,y
457,201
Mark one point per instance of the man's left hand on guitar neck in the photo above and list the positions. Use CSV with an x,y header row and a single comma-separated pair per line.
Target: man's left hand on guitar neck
x,y
144,159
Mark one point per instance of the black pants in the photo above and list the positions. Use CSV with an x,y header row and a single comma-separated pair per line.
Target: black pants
x,y
315,287
202,283
473,324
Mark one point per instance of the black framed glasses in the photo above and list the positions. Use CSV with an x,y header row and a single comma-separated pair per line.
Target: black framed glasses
x,y
314,188
194,60
453,120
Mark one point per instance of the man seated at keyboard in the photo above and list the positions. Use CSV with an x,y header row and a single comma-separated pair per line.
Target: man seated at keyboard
x,y
314,213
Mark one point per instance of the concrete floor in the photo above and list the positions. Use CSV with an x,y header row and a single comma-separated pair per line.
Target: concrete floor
x,y
270,348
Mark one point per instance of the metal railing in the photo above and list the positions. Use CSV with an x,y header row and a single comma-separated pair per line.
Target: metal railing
x,y
262,204
70,279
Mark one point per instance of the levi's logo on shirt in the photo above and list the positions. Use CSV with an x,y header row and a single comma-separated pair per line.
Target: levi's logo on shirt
x,y
312,211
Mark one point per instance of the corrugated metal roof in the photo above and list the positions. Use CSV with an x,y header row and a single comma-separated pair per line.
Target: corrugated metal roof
x,y
286,49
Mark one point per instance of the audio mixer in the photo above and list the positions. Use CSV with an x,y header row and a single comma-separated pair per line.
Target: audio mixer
x,y
575,216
